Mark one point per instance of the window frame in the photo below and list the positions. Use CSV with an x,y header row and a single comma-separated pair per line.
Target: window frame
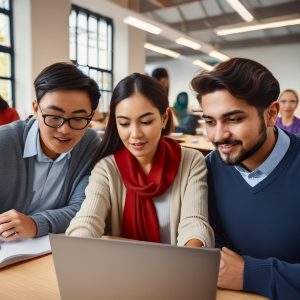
x,y
11,52
109,22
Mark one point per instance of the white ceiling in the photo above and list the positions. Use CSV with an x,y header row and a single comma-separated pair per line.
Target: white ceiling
x,y
200,18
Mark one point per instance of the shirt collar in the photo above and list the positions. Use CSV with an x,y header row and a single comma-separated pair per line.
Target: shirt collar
x,y
281,147
33,146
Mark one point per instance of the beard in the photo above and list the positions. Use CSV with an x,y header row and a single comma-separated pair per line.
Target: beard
x,y
244,153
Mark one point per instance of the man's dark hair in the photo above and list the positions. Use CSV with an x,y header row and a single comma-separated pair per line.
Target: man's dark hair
x,y
66,76
243,78
160,73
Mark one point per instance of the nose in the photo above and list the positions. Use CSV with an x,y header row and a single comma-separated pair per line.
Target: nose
x,y
136,131
220,133
65,128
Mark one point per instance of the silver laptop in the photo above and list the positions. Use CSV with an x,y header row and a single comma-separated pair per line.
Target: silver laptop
x,y
89,268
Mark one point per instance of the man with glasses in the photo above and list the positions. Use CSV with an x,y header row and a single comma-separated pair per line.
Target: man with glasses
x,y
45,161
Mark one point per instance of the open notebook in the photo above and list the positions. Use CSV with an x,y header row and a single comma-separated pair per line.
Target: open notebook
x,y
12,252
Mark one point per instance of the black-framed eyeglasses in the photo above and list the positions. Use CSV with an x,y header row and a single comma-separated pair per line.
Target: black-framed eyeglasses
x,y
76,123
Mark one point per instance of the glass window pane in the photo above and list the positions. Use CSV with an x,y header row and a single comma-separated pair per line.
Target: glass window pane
x,y
5,67
93,59
4,4
5,90
103,45
82,39
106,81
93,74
84,69
104,101
4,30
109,47
99,81
72,21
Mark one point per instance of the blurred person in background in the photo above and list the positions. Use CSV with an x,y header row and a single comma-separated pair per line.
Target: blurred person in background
x,y
7,114
161,74
288,101
186,122
99,120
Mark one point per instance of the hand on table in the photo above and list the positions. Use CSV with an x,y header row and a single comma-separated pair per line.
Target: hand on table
x,y
231,270
15,225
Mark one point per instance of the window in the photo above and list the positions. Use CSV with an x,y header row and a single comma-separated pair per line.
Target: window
x,y
7,89
91,49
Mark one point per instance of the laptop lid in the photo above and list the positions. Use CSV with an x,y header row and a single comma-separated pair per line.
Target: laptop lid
x,y
90,268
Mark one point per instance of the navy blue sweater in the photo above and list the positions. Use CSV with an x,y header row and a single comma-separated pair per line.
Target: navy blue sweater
x,y
261,223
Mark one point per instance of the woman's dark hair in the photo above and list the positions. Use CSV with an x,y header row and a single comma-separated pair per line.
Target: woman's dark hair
x,y
3,104
243,78
66,76
134,83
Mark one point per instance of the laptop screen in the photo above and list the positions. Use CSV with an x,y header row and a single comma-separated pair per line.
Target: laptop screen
x,y
90,268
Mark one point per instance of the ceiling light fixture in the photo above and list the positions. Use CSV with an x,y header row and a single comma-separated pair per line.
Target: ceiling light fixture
x,y
202,64
142,25
228,31
162,50
218,55
188,43
241,10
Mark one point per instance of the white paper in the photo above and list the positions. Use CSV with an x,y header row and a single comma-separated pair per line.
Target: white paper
x,y
12,252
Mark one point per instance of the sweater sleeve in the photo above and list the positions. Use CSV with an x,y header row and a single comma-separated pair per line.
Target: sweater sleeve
x,y
194,212
272,278
57,220
90,220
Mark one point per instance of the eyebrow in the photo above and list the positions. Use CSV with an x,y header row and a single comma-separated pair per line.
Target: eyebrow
x,y
230,113
140,117
62,111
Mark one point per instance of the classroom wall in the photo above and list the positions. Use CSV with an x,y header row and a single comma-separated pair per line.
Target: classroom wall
x,y
41,36
283,61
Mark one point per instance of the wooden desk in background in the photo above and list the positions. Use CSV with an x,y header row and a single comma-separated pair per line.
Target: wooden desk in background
x,y
36,280
198,142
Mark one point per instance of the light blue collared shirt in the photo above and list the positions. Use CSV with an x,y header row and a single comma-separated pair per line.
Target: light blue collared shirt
x,y
262,171
48,176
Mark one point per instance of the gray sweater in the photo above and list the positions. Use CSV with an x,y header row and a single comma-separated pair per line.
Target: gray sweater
x,y
16,190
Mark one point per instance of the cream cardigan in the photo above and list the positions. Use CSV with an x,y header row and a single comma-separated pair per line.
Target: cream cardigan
x,y
102,210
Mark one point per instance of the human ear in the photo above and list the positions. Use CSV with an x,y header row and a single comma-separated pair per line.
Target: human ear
x,y
272,113
35,108
165,117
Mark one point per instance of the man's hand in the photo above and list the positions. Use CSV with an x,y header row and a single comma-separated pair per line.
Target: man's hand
x,y
231,270
15,225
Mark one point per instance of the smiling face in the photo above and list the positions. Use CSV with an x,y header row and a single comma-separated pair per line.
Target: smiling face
x,y
288,104
139,125
237,130
67,104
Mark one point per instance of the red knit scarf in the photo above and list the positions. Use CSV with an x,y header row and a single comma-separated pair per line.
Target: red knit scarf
x,y
139,216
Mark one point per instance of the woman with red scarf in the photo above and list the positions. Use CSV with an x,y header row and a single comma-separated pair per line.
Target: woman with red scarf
x,y
144,186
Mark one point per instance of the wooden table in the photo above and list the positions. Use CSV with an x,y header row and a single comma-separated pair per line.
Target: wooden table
x,y
36,280
198,142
